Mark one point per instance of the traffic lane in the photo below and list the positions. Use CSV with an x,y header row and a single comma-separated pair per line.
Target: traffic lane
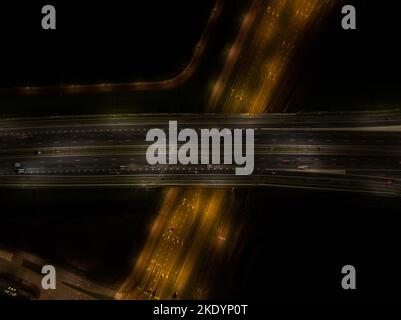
x,y
137,164
159,264
279,28
167,258
300,180
137,135
330,119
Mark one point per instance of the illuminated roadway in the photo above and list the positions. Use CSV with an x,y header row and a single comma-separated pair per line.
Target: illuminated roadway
x,y
166,84
350,152
258,61
196,226
257,78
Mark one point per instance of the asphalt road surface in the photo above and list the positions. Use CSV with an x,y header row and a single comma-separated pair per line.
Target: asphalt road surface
x,y
352,152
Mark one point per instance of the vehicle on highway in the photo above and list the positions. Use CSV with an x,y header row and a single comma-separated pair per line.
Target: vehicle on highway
x,y
389,182
37,153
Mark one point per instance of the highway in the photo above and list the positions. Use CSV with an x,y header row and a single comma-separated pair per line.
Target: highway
x,y
166,84
315,151
195,226
360,152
